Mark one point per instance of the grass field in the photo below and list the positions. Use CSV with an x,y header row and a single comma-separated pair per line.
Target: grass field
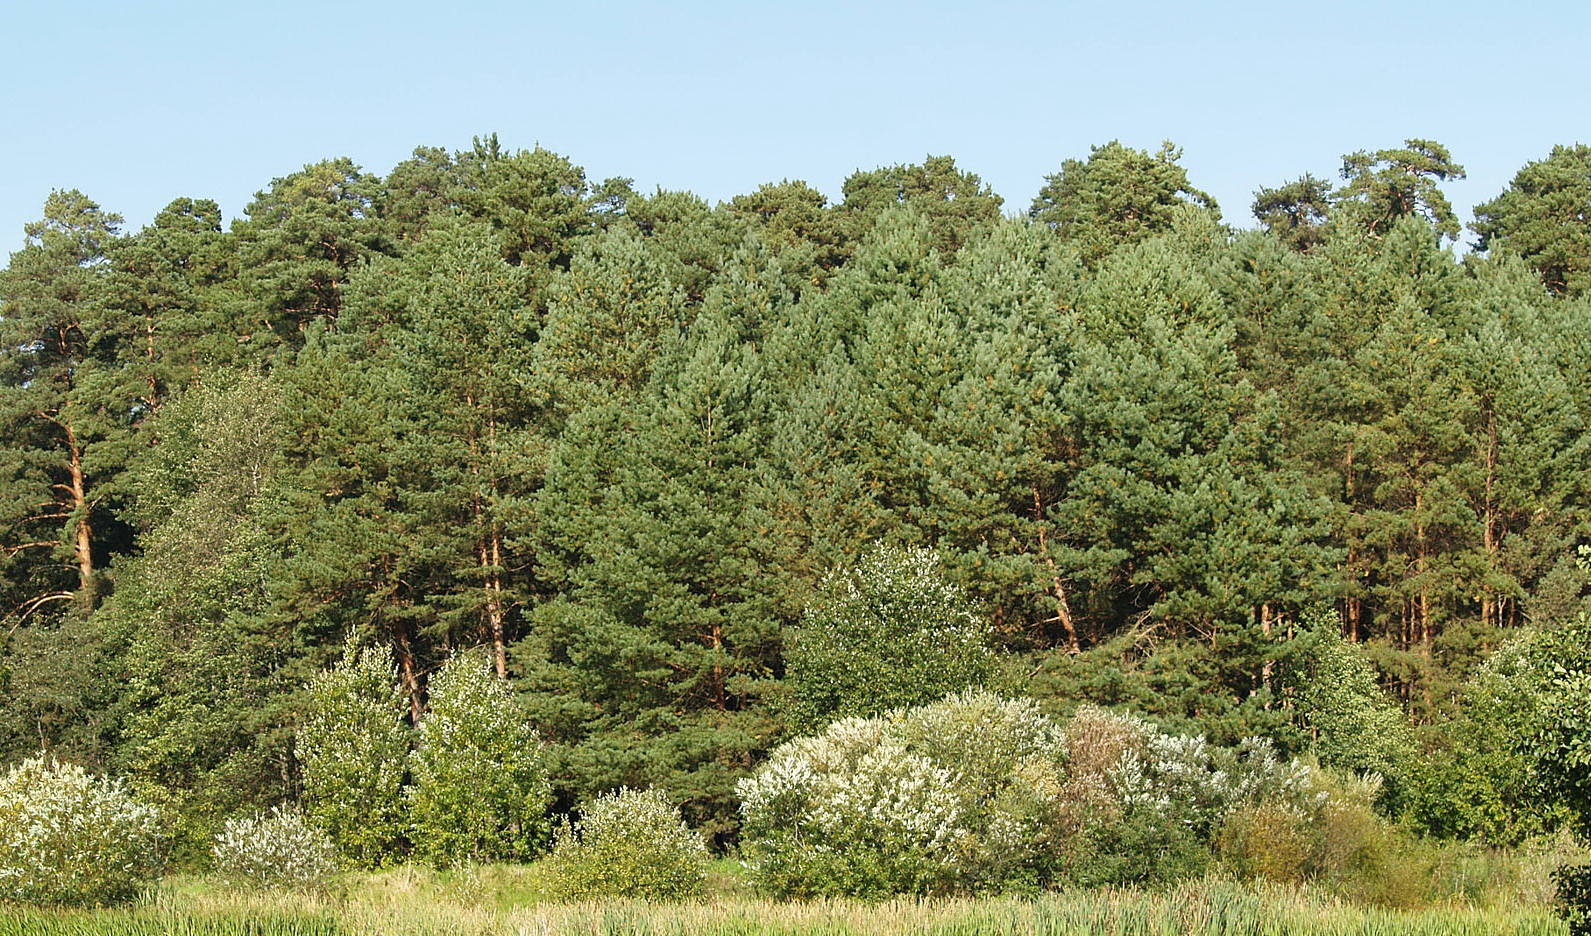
x,y
509,901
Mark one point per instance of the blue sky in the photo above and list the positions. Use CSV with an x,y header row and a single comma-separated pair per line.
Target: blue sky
x,y
140,103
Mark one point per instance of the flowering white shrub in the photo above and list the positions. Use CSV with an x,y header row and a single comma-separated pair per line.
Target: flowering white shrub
x,y
979,793
630,843
67,837
352,747
1202,782
480,789
275,849
948,796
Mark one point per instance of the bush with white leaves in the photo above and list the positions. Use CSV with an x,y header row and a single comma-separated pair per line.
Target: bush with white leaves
x,y
68,837
275,849
956,795
976,793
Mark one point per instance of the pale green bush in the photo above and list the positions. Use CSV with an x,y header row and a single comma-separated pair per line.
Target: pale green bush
x,y
975,793
957,795
480,790
352,748
630,843
275,849
67,837
885,633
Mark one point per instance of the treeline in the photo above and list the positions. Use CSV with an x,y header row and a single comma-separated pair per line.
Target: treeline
x,y
618,439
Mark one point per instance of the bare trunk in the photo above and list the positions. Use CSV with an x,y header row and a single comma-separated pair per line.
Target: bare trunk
x,y
83,535
1352,607
1491,611
1269,666
493,560
149,354
406,670
1063,608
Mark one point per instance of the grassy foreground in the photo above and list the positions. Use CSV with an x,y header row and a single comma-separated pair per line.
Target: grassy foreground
x,y
506,901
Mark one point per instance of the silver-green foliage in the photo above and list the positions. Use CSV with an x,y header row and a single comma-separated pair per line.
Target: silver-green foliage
x,y
275,849
68,837
885,633
352,748
978,793
954,795
480,789
629,843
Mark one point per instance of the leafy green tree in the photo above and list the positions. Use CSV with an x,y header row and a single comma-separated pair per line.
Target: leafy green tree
x,y
352,749
887,632
1117,197
1352,722
206,678
1385,427
480,788
1544,216
168,302
693,239
996,444
1522,485
606,321
857,371
1172,440
421,189
798,220
1517,763
445,336
538,201
68,415
1559,743
1383,186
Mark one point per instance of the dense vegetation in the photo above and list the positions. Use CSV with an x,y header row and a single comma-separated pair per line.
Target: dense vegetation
x,y
662,484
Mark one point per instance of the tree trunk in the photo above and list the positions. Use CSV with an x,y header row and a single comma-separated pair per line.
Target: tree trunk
x,y
1491,611
1063,608
83,534
492,561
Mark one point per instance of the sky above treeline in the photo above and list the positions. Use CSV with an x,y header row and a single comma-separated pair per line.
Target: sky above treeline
x,y
140,103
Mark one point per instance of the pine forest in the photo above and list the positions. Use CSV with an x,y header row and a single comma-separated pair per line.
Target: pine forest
x,y
913,544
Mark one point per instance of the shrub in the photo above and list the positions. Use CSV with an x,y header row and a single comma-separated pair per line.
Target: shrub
x,y
1265,840
977,793
352,748
1574,897
275,849
630,843
953,796
480,789
67,837
1355,725
886,633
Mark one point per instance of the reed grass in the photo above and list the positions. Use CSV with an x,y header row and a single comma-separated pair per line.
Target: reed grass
x,y
512,902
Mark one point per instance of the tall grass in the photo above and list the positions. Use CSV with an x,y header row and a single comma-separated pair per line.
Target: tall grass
x,y
1205,909
473,903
